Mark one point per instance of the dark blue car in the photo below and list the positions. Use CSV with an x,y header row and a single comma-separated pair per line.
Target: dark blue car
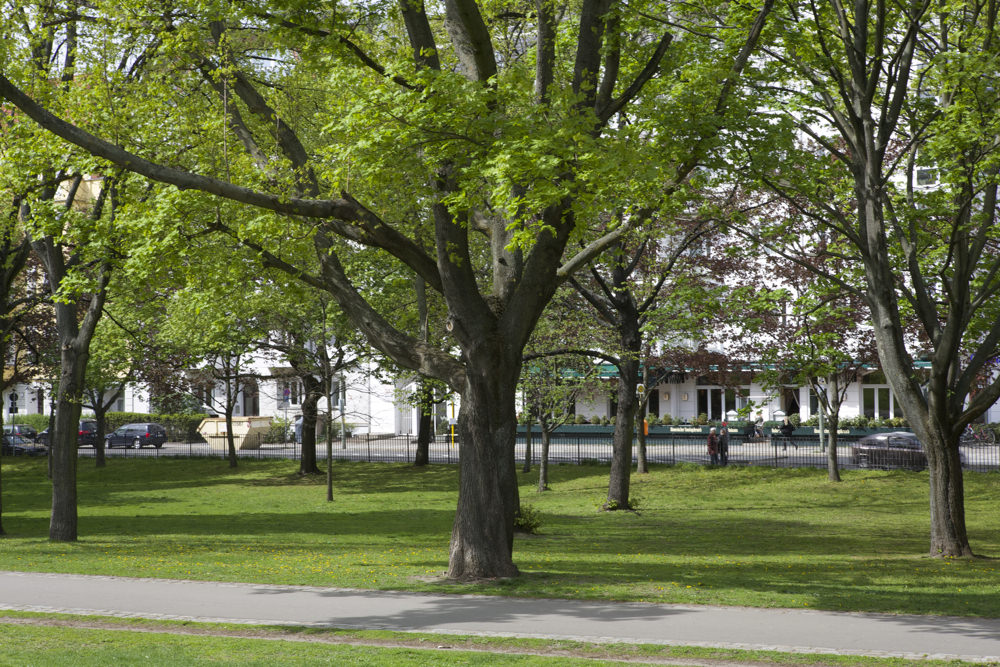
x,y
15,445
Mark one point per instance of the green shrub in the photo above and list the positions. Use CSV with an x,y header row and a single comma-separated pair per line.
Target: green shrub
x,y
652,420
36,421
527,520
795,420
580,419
859,422
702,419
666,420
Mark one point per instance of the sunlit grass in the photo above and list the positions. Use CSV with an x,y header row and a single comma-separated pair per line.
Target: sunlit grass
x,y
59,639
734,536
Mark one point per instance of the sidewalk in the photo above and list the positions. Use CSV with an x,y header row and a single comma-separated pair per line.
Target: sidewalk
x,y
790,630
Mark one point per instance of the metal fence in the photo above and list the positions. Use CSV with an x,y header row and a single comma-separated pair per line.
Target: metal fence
x,y
796,451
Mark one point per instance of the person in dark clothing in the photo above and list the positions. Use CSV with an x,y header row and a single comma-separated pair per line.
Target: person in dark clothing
x,y
787,429
713,446
724,444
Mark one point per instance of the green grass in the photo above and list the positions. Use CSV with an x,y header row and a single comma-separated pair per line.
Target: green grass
x,y
731,536
58,639
81,647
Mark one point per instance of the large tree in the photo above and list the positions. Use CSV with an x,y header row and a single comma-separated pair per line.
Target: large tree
x,y
471,143
892,110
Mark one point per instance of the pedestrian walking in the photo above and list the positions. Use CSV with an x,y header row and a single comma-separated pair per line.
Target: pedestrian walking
x,y
713,446
787,429
724,444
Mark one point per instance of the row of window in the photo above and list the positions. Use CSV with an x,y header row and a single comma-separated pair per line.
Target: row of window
x,y
716,402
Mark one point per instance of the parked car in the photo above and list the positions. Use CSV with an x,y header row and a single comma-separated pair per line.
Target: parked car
x,y
26,431
136,435
898,449
15,445
86,434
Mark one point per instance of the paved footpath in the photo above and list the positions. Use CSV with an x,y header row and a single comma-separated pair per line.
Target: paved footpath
x,y
774,629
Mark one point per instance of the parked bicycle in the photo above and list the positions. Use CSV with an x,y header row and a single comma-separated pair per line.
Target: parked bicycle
x,y
977,434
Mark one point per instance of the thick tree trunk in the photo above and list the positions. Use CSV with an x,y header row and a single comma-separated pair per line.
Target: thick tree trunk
x,y
63,522
949,538
482,538
621,454
425,406
543,460
307,456
930,417
422,455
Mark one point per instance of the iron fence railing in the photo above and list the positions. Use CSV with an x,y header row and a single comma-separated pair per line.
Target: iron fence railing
x,y
796,451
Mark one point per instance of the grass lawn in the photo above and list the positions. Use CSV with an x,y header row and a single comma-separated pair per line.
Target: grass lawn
x,y
57,639
731,536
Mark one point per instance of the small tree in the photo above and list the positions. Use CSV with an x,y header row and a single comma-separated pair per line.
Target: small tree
x,y
550,387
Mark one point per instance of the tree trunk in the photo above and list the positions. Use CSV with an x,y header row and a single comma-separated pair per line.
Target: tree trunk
x,y
833,397
931,417
100,415
313,392
482,538
949,538
63,522
528,433
621,454
230,438
422,455
641,466
425,406
832,464
543,460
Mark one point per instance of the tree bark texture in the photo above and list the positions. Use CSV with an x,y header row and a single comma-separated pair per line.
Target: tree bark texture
x,y
425,407
543,461
621,455
63,447
313,390
482,538
100,415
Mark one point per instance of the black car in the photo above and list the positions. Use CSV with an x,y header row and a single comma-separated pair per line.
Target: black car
x,y
26,431
86,435
899,449
136,435
15,445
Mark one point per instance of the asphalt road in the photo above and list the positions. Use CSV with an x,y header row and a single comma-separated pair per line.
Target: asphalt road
x,y
790,630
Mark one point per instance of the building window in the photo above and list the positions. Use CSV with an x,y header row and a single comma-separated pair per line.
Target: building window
x,y
876,402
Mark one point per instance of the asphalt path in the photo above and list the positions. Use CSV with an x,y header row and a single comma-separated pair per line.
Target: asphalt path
x,y
789,630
